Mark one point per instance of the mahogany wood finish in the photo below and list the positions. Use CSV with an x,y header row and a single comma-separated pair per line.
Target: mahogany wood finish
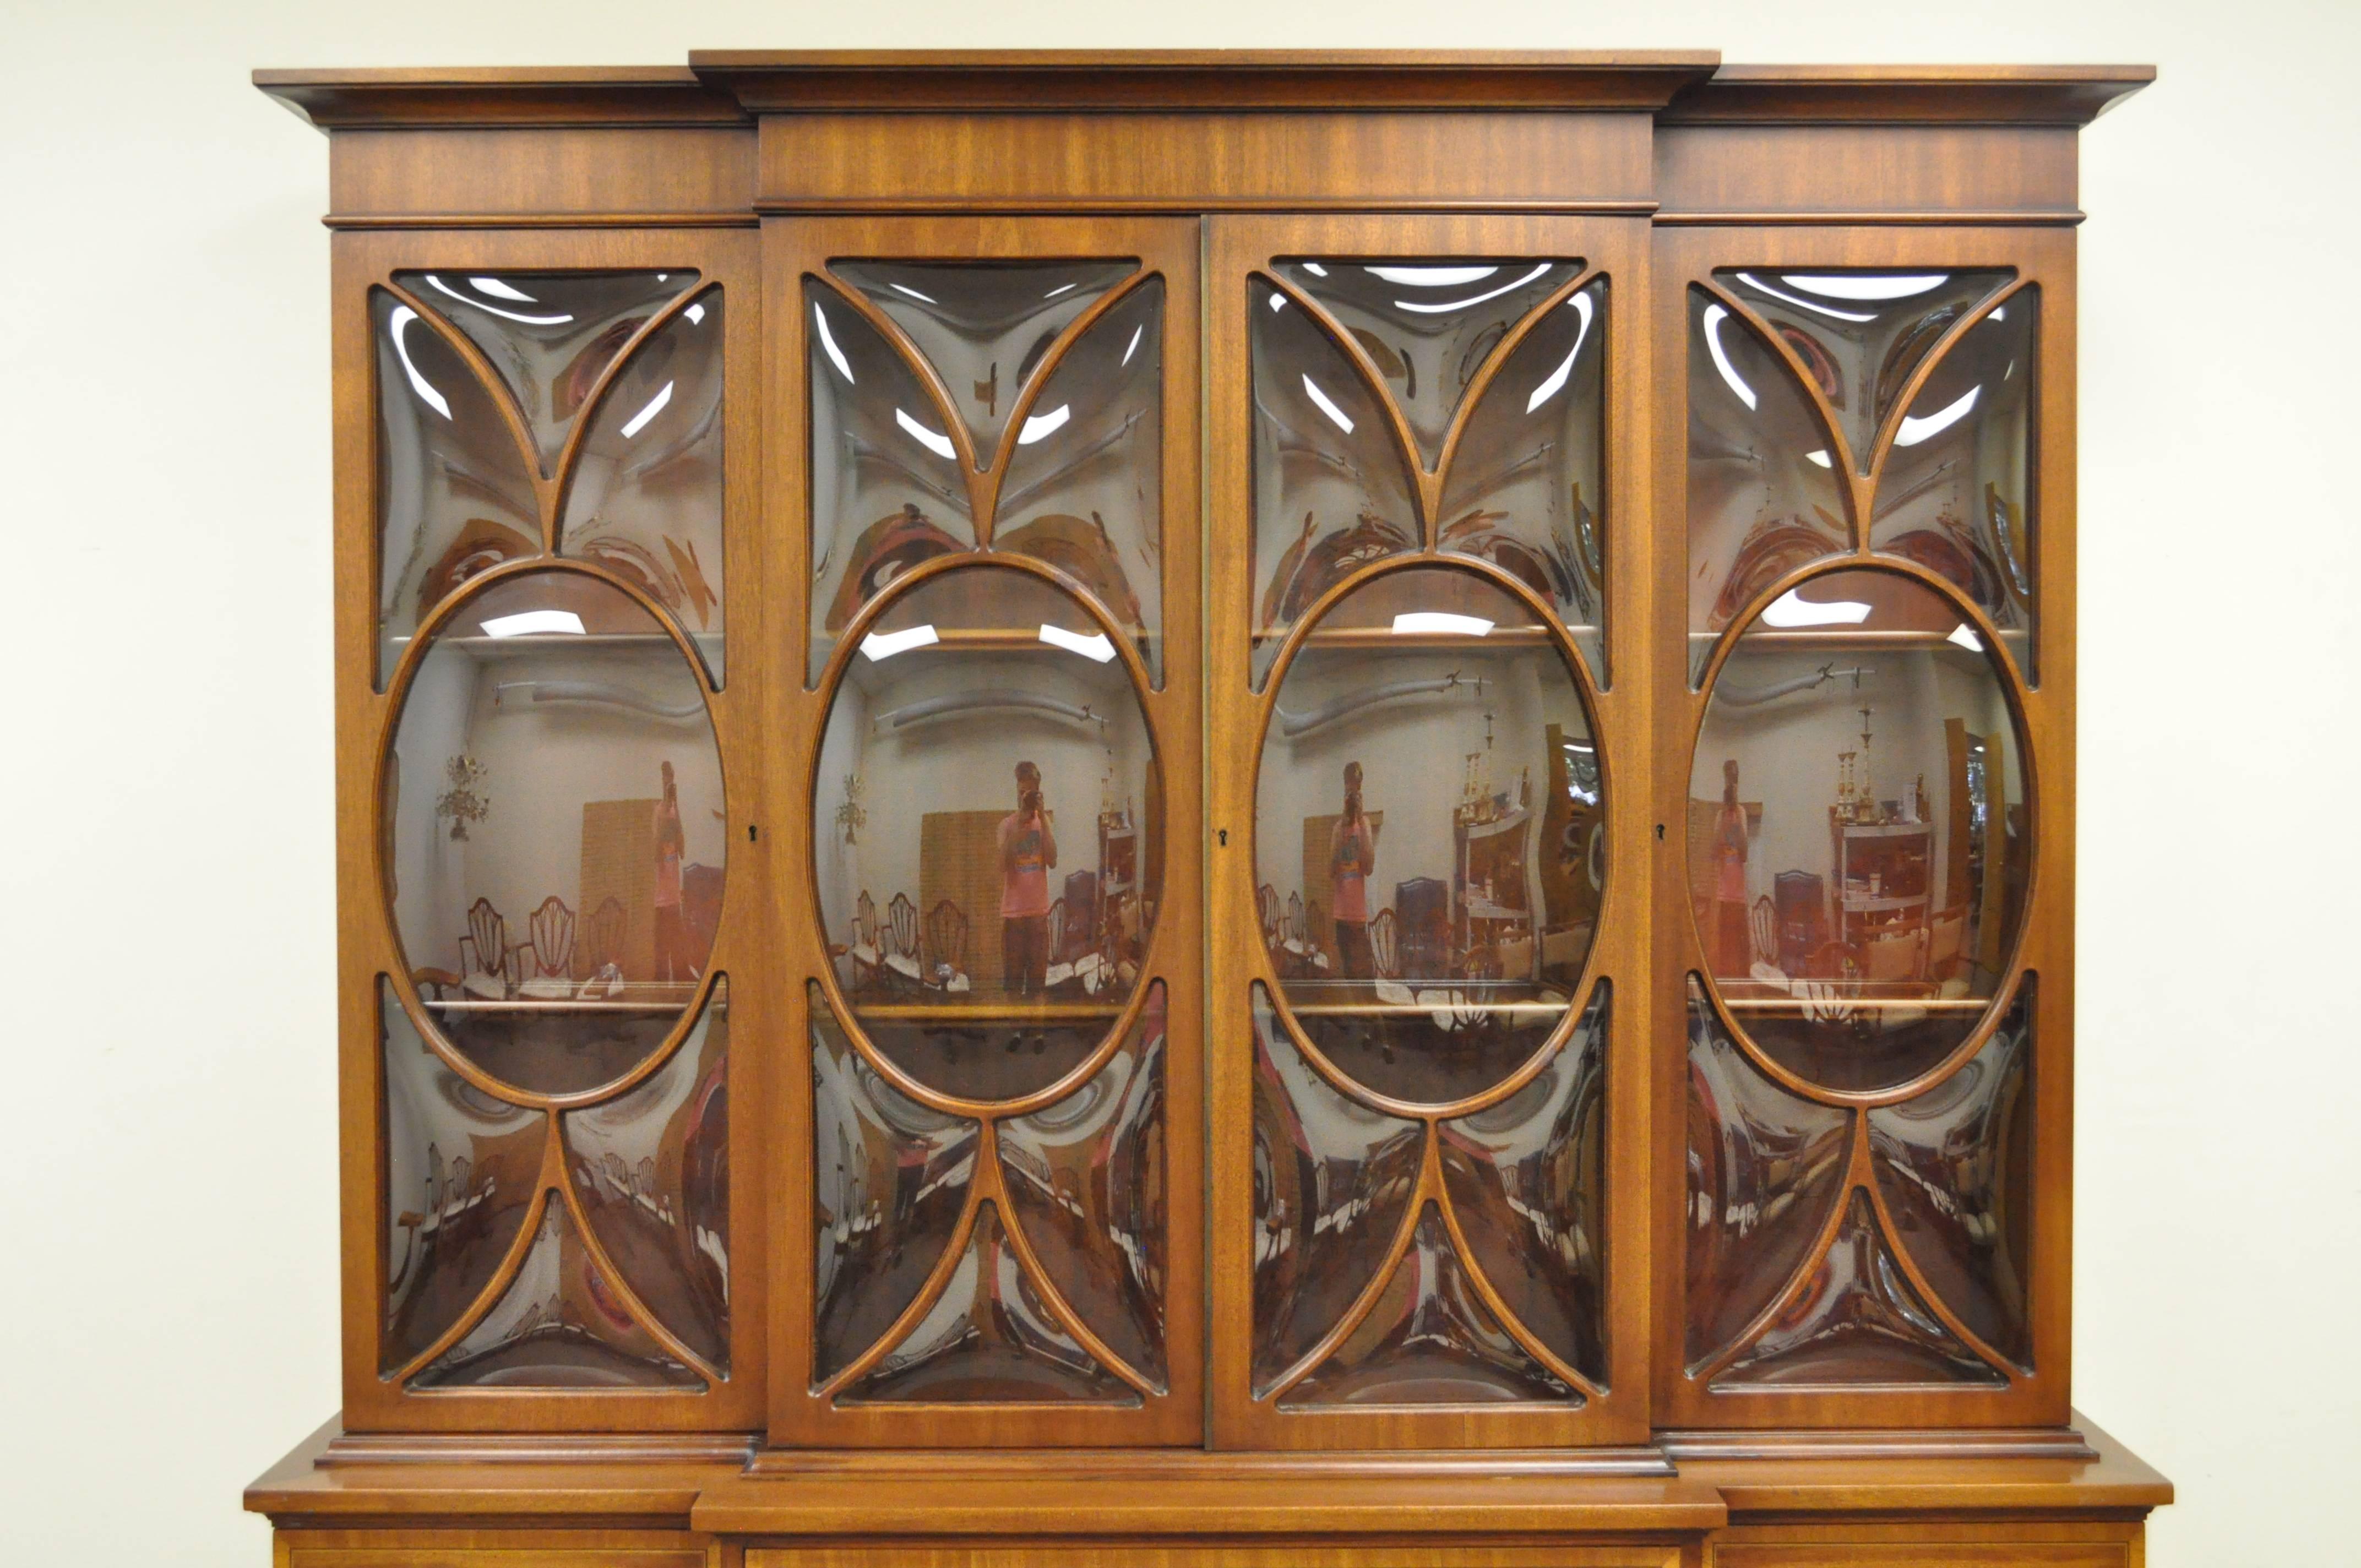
x,y
1657,172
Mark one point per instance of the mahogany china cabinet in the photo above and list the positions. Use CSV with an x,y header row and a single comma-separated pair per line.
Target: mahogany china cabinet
x,y
1205,808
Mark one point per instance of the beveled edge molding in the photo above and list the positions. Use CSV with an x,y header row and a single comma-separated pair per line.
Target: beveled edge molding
x,y
499,97
1999,217
1855,1442
730,87
346,1448
1194,1465
1906,94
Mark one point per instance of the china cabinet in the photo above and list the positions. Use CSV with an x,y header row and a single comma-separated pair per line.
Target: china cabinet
x,y
1205,807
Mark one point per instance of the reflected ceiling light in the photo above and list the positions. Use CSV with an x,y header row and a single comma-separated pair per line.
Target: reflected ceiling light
x,y
1277,300
1094,646
500,291
1058,291
1915,431
434,282
1327,407
885,645
1133,347
656,406
1865,286
1965,636
1714,316
1998,314
1752,281
828,342
400,323
695,314
1040,425
1412,622
940,446
527,623
1791,610
1431,276
1822,458
904,288
1444,306
1316,269
1551,383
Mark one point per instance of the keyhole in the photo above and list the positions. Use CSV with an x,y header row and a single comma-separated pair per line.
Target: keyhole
x,y
1226,837
751,832
1660,832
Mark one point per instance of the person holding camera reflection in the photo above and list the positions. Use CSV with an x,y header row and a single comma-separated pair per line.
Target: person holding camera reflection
x,y
1352,857
1028,851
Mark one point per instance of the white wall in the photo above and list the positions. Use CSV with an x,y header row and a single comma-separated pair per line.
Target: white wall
x,y
169,1245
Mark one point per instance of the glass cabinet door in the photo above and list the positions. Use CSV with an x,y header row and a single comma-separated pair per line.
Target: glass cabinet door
x,y
548,773
997,1234
1426,972
1866,1036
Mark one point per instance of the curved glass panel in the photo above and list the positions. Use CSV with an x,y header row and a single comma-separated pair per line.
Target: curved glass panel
x,y
454,496
1857,1321
1332,1177
1528,482
1763,495
1861,333
983,324
1528,1184
1085,489
550,335
886,489
1955,1167
557,840
1956,492
989,1340
986,831
651,1168
1430,1339
890,1184
1331,493
1764,1170
1429,325
892,1179
1085,1181
459,1173
1426,851
1858,830
559,1325
644,496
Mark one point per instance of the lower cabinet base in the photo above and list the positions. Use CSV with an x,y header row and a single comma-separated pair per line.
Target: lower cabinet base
x,y
1926,1543
1869,1506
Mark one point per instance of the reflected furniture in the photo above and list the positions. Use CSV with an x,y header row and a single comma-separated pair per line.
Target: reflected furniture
x,y
815,476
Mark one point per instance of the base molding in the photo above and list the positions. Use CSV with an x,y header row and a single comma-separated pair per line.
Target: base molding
x,y
1917,1442
1199,1464
347,1449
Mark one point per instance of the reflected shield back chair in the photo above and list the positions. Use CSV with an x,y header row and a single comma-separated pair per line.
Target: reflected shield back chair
x,y
602,945
1762,928
945,959
1381,946
863,950
1423,936
1266,915
1079,933
485,948
901,964
549,937
1801,907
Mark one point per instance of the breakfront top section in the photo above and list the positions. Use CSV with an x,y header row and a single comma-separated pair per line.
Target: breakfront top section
x,y
735,133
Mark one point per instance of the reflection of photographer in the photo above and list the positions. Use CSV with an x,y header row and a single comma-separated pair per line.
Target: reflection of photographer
x,y
1029,850
1352,857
